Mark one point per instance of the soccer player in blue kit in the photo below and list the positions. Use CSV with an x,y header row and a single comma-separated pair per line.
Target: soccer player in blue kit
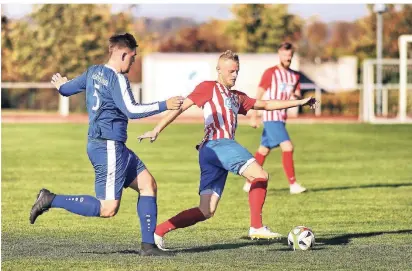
x,y
110,104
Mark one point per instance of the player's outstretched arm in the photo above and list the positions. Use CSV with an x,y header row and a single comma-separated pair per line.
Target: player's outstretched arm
x,y
68,88
164,122
283,104
124,100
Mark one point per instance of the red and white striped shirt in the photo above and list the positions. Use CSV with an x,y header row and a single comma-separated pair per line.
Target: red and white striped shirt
x,y
220,108
279,84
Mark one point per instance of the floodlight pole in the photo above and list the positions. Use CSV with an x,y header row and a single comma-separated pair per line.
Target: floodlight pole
x,y
379,9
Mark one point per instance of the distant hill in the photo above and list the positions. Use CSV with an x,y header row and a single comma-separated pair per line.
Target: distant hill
x,y
165,26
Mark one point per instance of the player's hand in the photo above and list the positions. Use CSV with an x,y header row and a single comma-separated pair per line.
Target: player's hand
x,y
254,123
151,134
312,102
174,103
58,80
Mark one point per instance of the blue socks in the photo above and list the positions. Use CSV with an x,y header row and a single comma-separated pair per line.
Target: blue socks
x,y
147,211
90,206
80,204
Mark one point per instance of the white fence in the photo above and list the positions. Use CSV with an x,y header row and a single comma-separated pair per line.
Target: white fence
x,y
64,102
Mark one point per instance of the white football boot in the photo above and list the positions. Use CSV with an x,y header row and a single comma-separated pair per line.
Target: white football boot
x,y
296,188
263,233
160,242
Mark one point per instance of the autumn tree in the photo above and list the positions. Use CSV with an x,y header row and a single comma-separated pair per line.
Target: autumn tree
x,y
314,39
262,27
207,37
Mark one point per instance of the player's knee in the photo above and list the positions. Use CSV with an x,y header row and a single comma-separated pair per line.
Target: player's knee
x,y
210,214
262,176
207,212
289,149
263,151
260,181
287,146
148,187
109,211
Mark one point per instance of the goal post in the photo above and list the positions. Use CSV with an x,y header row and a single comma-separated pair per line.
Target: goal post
x,y
403,74
396,88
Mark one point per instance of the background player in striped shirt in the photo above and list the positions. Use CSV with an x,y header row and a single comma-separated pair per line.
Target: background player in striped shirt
x,y
282,83
110,104
219,153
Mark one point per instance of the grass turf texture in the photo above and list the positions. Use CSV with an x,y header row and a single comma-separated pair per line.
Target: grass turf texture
x,y
359,204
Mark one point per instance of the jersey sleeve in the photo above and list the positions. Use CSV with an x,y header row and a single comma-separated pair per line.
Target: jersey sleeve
x,y
202,93
124,100
246,103
266,79
74,86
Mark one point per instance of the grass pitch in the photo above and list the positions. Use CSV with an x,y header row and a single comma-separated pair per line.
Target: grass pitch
x,y
359,204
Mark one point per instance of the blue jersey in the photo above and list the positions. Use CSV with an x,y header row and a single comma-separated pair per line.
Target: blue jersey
x,y
110,102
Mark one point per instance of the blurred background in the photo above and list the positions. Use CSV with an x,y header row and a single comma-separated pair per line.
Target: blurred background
x,y
348,54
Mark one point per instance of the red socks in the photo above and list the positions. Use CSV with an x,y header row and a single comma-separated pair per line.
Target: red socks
x,y
287,160
182,220
260,158
257,195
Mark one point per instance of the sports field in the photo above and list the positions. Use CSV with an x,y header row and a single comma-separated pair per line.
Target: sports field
x,y
359,204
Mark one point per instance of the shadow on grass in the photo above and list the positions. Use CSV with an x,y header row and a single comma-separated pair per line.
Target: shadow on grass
x,y
341,239
320,242
198,249
346,238
125,251
378,185
229,245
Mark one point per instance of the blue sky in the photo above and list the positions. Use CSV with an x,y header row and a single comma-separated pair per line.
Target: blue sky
x,y
202,12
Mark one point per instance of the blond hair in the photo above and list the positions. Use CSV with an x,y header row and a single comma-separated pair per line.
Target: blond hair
x,y
228,54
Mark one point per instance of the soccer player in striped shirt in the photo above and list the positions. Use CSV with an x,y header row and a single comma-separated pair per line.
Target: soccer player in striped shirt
x,y
282,83
219,153
110,104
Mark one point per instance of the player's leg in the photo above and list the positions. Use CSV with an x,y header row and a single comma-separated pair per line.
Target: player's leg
x,y
231,156
105,156
265,145
84,205
212,182
257,195
288,165
141,180
206,209
262,152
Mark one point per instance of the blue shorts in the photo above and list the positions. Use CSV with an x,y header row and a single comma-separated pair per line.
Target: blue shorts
x,y
115,167
274,133
216,159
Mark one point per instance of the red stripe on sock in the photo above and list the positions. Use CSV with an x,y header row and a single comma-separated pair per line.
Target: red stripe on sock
x,y
288,166
182,220
257,195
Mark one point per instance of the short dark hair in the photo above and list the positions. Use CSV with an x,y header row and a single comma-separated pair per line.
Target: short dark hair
x,y
122,41
285,46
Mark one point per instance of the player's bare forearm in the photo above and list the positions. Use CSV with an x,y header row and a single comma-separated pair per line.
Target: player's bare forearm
x,y
172,115
276,104
169,118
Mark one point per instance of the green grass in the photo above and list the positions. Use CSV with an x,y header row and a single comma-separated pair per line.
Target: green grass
x,y
359,206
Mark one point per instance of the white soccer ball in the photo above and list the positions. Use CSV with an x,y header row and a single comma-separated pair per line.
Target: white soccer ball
x,y
301,237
